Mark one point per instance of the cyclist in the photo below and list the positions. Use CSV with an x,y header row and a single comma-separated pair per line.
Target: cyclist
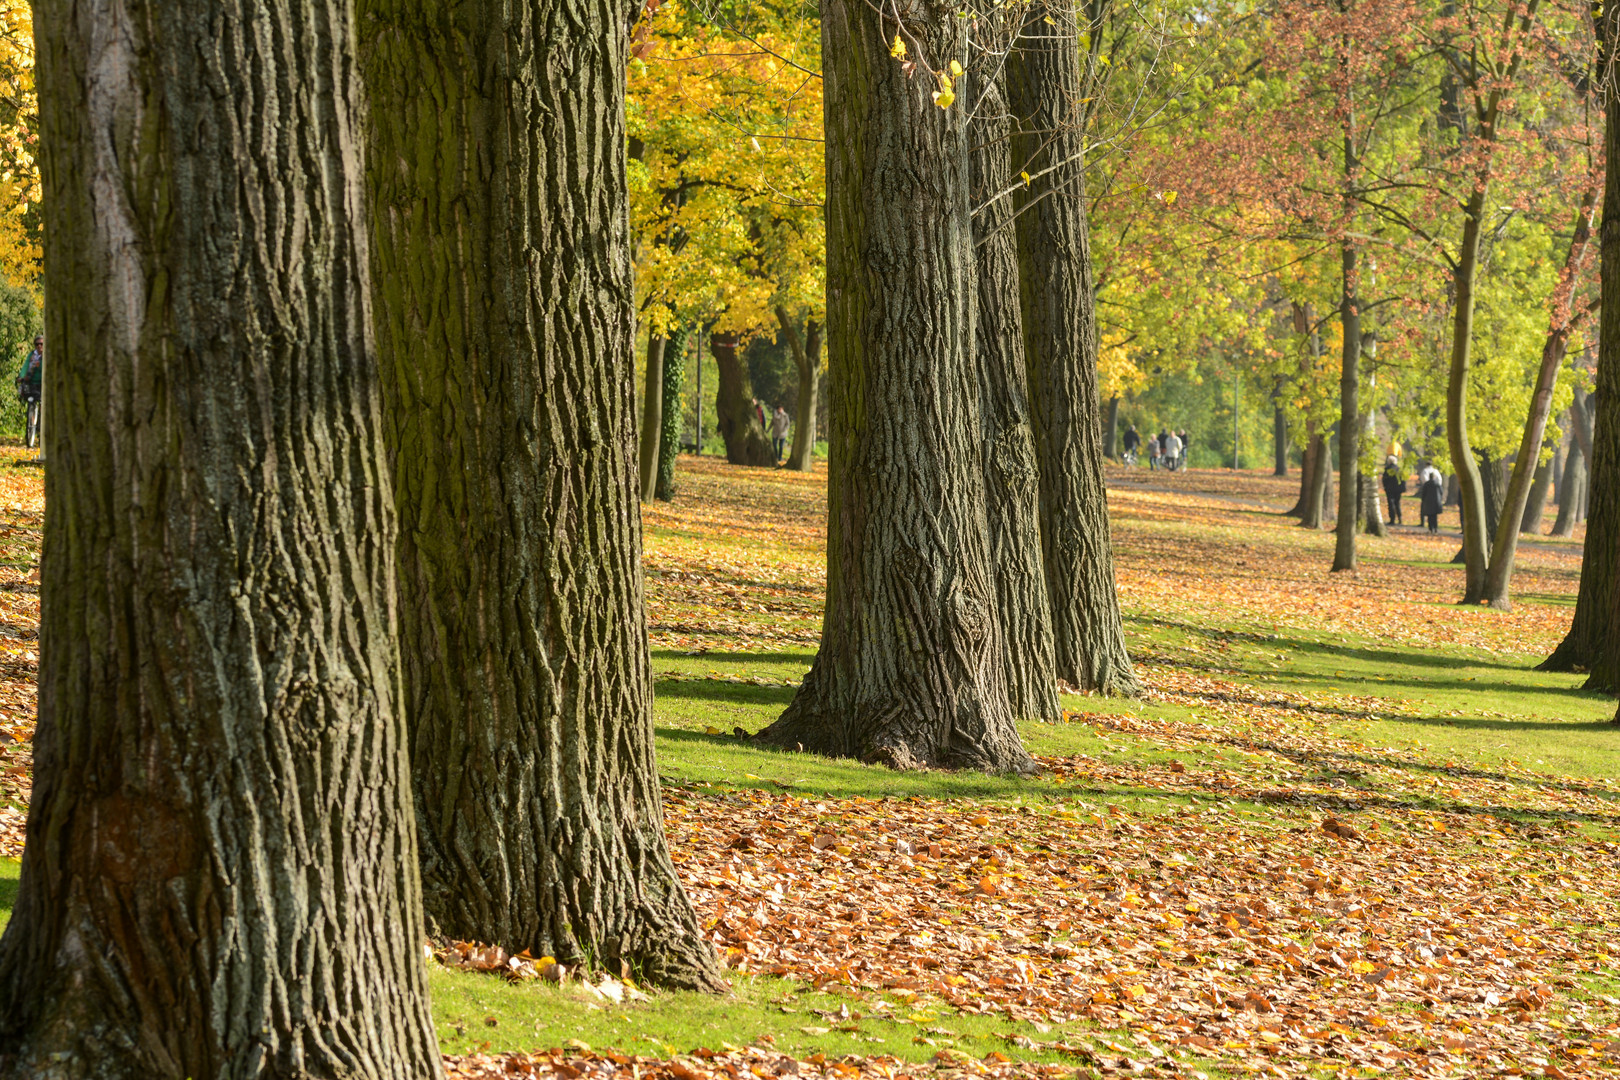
x,y
1132,441
28,389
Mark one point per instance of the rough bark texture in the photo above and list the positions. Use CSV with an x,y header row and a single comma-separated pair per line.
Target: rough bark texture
x,y
1493,489
1012,478
673,415
909,672
1060,350
220,879
807,362
1592,627
500,240
1111,428
747,442
652,412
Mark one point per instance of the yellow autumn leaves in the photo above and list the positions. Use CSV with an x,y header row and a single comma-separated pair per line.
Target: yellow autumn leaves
x,y
945,96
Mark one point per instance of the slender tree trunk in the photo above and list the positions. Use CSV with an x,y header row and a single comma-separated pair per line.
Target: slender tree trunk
x,y
652,412
1279,439
220,878
807,360
1316,499
1111,429
1535,507
1060,348
1470,486
1350,420
739,424
1372,507
910,667
1569,513
1307,477
1517,498
674,419
1594,626
1012,478
500,235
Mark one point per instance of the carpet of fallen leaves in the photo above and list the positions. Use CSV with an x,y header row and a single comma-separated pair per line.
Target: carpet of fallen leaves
x,y
1385,913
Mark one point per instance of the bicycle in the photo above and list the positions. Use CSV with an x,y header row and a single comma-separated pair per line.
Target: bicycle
x,y
31,423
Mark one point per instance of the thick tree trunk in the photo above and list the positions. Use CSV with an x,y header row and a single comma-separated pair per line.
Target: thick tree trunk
x,y
807,360
1316,499
734,412
1594,627
1060,347
652,412
909,672
1111,429
1012,478
1350,420
1476,533
673,415
1493,487
220,878
1535,505
498,164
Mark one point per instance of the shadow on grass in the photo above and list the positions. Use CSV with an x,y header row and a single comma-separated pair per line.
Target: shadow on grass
x,y
719,690
790,656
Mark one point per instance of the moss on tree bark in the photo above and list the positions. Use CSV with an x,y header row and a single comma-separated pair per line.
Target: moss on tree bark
x,y
220,877
501,250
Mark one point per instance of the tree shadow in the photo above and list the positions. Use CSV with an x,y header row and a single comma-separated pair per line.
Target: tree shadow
x,y
733,693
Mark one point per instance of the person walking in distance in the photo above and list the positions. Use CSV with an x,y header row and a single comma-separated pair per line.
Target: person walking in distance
x,y
1431,495
29,388
1394,488
1132,441
779,430
1186,448
1172,451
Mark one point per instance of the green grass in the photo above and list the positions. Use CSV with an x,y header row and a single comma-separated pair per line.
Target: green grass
x,y
10,876
802,1021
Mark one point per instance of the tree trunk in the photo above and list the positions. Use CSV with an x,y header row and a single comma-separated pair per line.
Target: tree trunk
x,y
652,412
1493,486
1307,472
1516,499
1476,534
1346,526
807,360
498,161
734,412
674,419
1535,506
1594,625
1012,478
909,672
1316,499
220,877
1060,350
1569,511
1279,440
1372,507
1111,429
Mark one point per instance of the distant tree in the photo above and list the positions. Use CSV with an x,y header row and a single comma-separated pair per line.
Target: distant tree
x,y
220,876
501,251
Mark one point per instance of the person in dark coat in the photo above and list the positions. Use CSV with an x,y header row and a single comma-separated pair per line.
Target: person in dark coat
x,y
1432,493
1394,488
